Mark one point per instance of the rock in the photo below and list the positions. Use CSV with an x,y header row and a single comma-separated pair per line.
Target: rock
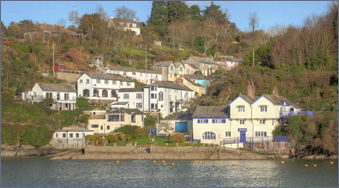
x,y
320,157
285,156
333,157
309,157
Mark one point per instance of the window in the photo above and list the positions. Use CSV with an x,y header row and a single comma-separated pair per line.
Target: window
x,y
77,135
101,127
122,117
139,95
134,25
142,118
106,81
64,135
133,117
208,136
260,134
171,68
128,83
154,106
56,135
127,24
58,96
94,126
71,135
114,82
263,108
66,96
228,134
139,105
262,121
98,81
219,121
124,73
134,73
153,88
121,83
87,81
202,120
108,127
80,81
161,96
126,96
153,95
242,122
180,69
48,95
113,117
241,108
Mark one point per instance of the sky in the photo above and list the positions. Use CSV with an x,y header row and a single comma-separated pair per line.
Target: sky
x,y
270,13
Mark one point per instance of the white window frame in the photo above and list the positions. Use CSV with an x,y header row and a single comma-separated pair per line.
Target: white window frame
x,y
241,108
242,122
263,108
228,134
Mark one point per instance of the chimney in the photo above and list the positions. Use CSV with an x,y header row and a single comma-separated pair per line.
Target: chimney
x,y
275,91
251,90
154,61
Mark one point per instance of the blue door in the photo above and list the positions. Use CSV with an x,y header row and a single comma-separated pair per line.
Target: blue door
x,y
242,136
154,131
181,127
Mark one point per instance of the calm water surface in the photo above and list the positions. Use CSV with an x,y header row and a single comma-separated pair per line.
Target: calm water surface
x,y
38,172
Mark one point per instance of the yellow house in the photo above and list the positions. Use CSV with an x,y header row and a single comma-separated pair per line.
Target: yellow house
x,y
115,119
197,88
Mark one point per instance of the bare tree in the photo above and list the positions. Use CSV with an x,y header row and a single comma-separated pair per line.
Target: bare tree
x,y
74,17
124,13
62,22
254,21
101,11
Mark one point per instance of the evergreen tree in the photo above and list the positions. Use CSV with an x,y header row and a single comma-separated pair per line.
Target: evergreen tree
x,y
214,11
177,11
195,12
159,17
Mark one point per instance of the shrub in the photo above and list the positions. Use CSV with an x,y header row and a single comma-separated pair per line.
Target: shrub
x,y
122,137
128,137
94,139
127,129
36,136
178,137
84,118
141,132
111,139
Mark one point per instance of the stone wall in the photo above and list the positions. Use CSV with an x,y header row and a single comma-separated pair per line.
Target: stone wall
x,y
271,148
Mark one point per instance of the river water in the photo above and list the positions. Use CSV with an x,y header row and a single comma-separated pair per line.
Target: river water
x,y
40,172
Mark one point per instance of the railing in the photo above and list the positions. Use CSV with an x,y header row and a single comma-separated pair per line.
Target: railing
x,y
292,113
71,71
41,97
265,141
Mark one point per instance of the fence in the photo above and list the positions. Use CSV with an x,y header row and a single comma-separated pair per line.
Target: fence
x,y
264,142
292,113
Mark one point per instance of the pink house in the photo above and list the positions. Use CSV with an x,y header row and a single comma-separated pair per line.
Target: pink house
x,y
228,62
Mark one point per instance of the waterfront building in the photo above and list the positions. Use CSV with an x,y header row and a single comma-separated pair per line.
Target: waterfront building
x,y
70,137
63,95
114,119
130,98
246,116
102,86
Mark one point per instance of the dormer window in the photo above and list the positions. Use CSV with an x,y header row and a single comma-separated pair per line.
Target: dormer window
x,y
263,108
134,25
153,88
241,108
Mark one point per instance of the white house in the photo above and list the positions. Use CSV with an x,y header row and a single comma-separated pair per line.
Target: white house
x,y
70,138
141,75
125,24
102,86
166,97
63,95
130,98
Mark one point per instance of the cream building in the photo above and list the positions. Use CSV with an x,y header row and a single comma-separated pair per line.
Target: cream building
x,y
114,119
247,116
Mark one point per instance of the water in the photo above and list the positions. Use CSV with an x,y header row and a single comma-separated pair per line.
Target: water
x,y
39,172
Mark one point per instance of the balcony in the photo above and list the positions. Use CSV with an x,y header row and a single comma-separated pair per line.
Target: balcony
x,y
285,114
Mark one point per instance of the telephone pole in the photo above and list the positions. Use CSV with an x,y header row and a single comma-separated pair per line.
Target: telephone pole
x,y
74,16
53,57
146,57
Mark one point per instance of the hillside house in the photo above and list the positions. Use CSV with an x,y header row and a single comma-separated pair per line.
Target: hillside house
x,y
70,138
98,60
102,86
130,98
63,95
229,63
141,75
196,81
125,24
206,65
190,68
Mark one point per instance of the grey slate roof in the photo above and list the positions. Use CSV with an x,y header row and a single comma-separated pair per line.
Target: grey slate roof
x,y
163,63
179,116
193,66
211,111
250,99
74,130
189,80
177,64
56,87
95,75
124,111
279,99
132,69
234,59
120,103
130,90
170,85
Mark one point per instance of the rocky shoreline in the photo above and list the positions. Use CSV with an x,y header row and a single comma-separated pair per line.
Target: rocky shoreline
x,y
144,153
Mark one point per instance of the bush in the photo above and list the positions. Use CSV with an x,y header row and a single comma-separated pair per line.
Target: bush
x,y
127,129
36,136
176,138
128,137
94,139
84,118
122,137
141,132
111,139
